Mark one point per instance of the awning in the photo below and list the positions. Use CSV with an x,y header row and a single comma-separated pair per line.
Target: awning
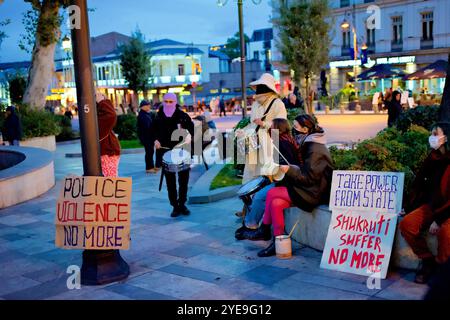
x,y
380,71
437,69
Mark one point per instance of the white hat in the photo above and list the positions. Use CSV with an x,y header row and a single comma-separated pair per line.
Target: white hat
x,y
266,79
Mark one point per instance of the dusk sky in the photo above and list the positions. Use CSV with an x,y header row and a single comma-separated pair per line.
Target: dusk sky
x,y
198,21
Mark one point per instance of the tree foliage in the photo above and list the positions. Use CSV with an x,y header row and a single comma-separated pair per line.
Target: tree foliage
x,y
233,45
16,87
136,64
304,38
3,34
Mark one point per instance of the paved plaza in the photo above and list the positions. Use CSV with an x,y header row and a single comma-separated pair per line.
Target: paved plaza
x,y
194,257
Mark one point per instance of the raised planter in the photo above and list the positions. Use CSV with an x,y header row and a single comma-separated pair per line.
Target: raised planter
x,y
312,231
47,143
200,192
27,179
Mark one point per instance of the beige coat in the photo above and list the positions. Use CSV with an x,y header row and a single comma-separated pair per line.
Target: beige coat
x,y
255,160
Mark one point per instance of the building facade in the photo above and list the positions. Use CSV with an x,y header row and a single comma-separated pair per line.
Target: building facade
x,y
408,34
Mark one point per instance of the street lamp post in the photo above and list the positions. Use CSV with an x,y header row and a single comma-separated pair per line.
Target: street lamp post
x,y
242,49
99,266
346,25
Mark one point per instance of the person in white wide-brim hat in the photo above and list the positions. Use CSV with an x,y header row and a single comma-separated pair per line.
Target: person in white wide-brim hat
x,y
261,116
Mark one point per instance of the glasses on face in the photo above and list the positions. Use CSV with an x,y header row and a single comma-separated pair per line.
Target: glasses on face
x,y
169,101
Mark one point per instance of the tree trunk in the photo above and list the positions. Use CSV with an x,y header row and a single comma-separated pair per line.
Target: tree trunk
x,y
444,110
42,61
308,100
40,75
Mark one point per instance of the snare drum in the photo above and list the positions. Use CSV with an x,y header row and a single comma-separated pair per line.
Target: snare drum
x,y
176,160
250,188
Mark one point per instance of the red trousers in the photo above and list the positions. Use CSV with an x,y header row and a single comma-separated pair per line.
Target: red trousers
x,y
277,200
413,228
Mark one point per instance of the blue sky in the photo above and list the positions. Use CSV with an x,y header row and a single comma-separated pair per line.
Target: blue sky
x,y
198,21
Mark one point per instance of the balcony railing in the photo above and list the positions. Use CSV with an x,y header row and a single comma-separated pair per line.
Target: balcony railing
x,y
426,44
396,46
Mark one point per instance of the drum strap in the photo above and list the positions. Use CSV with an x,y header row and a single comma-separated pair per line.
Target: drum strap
x,y
265,114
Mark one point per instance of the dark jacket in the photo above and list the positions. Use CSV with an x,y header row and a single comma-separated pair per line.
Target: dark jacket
x,y
309,184
12,127
394,111
432,186
164,127
107,119
145,128
289,150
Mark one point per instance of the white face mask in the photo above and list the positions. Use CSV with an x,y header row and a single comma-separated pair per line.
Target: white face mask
x,y
436,141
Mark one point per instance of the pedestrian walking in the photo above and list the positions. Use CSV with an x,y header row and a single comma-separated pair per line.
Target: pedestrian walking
x,y
146,134
12,127
222,107
394,108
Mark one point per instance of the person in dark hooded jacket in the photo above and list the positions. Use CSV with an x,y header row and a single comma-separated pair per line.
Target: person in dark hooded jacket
x,y
12,128
146,134
305,186
394,108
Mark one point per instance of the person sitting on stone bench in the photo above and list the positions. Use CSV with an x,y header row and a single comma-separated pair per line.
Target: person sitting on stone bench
x,y
429,206
291,152
305,186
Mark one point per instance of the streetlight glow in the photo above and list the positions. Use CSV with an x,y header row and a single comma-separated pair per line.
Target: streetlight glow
x,y
345,25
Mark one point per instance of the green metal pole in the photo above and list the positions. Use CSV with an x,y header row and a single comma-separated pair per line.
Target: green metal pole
x,y
243,59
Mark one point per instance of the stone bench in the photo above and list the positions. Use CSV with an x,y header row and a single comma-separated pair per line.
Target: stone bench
x,y
312,231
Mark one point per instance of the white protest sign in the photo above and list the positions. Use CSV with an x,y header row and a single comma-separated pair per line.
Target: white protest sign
x,y
365,206
359,242
94,213
371,191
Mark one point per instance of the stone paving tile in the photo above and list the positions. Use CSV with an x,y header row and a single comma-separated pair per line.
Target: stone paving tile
x,y
101,294
404,289
357,287
194,273
216,293
137,293
21,266
61,257
41,291
8,255
11,284
289,289
258,296
220,265
187,251
155,260
47,274
170,284
267,275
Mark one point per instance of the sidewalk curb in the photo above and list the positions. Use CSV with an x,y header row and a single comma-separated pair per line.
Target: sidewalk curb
x,y
200,192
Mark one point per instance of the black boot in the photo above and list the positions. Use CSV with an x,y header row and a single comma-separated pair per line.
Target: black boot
x,y
269,251
175,212
239,234
262,233
426,270
184,210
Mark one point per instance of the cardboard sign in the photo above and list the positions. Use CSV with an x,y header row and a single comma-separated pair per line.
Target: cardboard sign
x,y
359,242
94,213
369,191
365,205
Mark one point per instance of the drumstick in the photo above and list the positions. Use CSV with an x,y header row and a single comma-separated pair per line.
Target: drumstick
x,y
281,154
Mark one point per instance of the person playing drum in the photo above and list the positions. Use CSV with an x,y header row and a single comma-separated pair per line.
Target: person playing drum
x,y
305,186
169,119
287,153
